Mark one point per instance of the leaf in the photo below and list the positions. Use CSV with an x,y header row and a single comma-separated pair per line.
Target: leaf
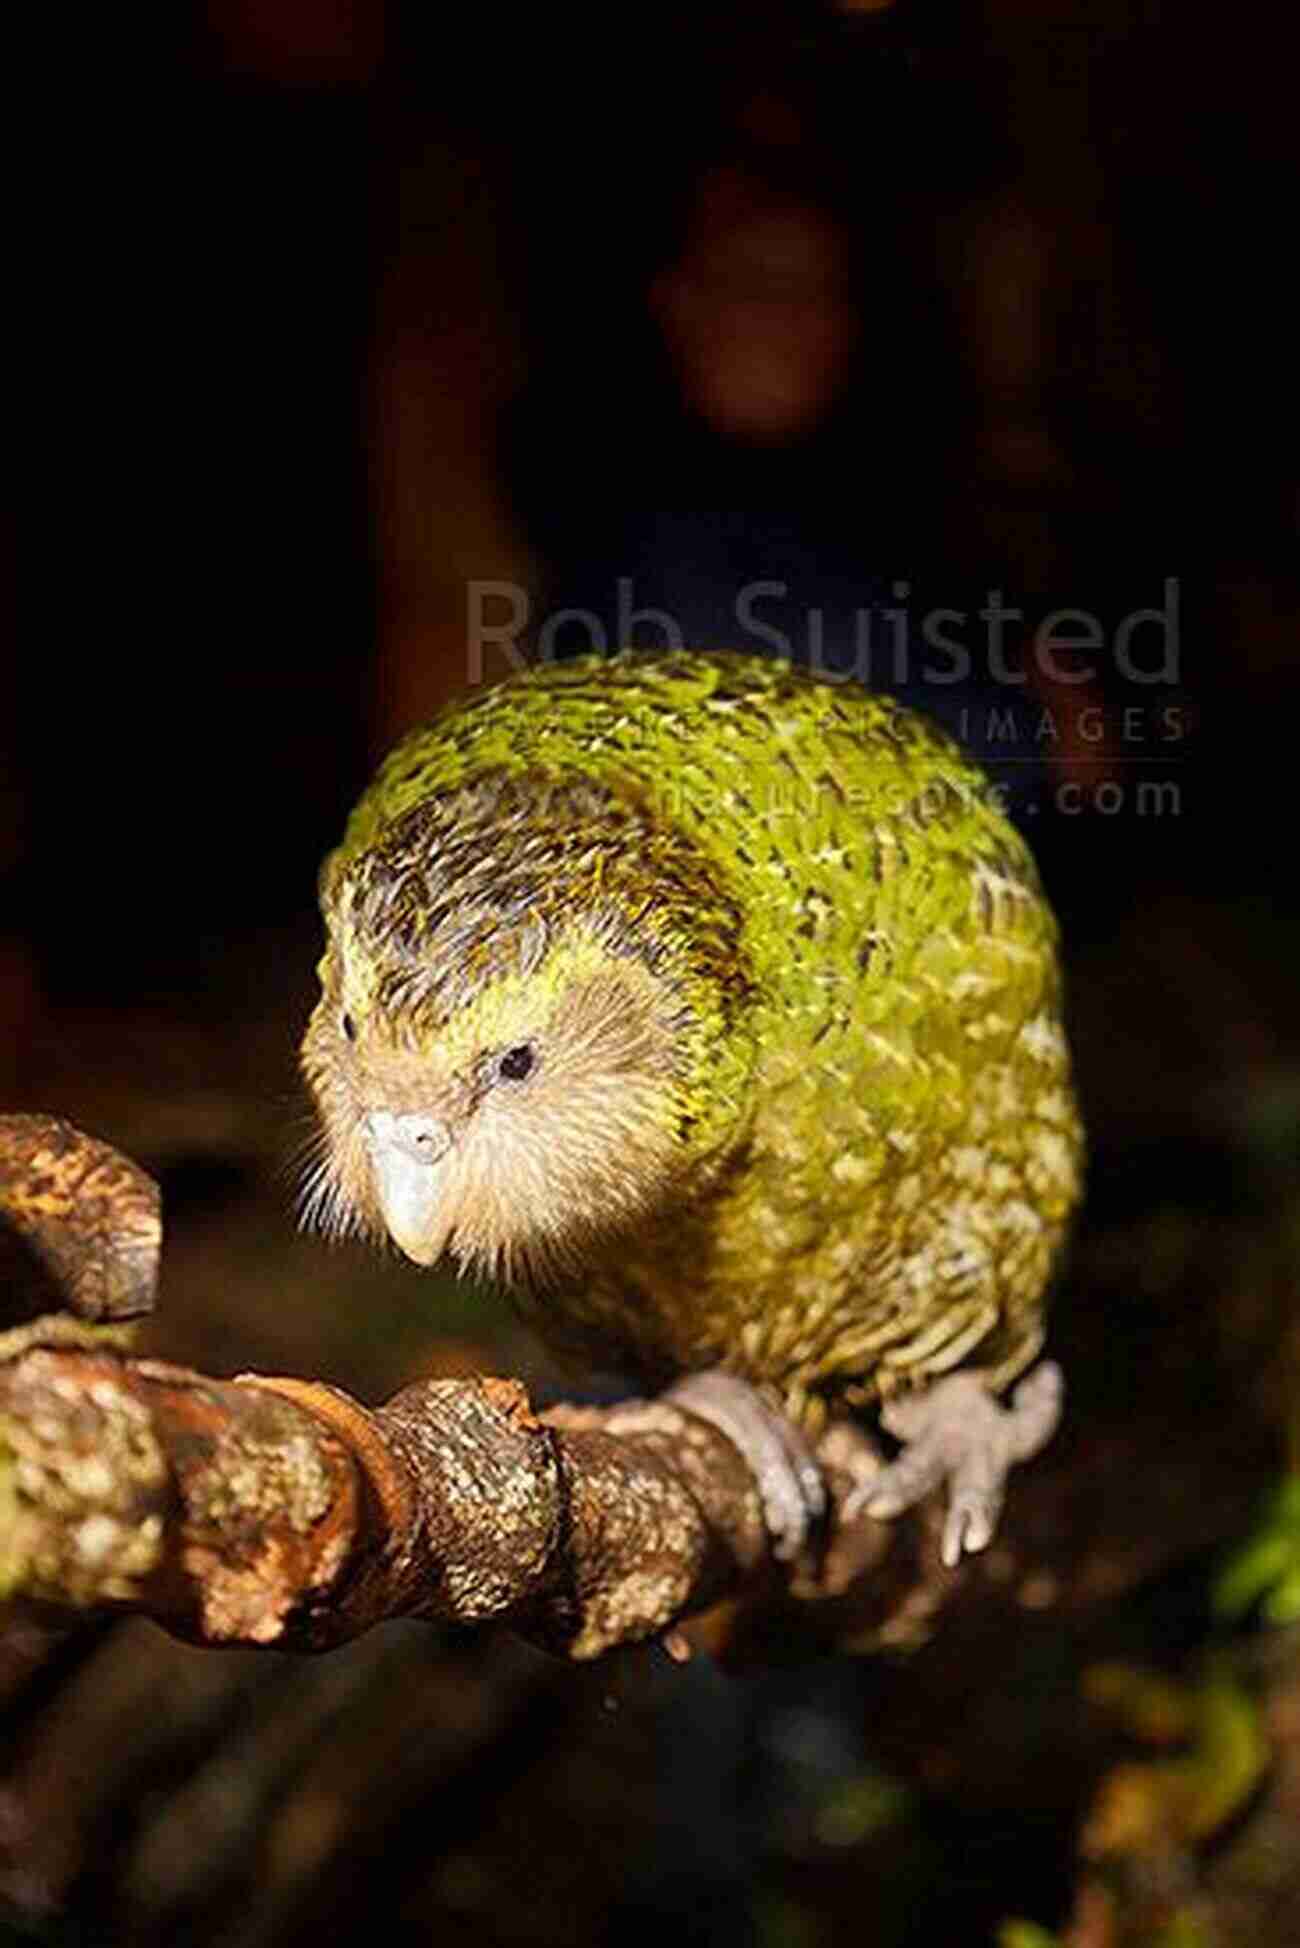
x,y
1265,1571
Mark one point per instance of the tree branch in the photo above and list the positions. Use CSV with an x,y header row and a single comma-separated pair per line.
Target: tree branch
x,y
262,1510
279,1511
271,1510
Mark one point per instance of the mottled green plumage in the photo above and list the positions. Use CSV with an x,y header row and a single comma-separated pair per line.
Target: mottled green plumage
x,y
867,1146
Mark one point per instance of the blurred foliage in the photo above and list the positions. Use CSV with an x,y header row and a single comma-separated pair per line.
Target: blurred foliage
x,y
1184,1799
1265,1572
1026,1934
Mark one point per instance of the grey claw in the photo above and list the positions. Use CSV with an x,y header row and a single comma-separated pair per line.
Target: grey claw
x,y
957,1432
790,1485
969,1525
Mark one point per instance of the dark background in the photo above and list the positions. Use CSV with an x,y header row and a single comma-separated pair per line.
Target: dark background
x,y
341,308
335,311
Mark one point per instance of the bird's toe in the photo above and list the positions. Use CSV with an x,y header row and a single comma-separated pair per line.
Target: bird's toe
x,y
790,1485
957,1433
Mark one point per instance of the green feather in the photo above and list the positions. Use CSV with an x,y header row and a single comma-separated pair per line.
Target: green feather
x,y
875,1082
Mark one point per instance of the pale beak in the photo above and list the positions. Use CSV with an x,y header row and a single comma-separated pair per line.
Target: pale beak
x,y
406,1155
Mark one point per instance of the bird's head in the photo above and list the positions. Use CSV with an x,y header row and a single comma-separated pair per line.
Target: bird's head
x,y
515,1081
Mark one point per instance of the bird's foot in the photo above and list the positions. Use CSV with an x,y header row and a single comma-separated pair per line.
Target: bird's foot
x,y
956,1432
790,1485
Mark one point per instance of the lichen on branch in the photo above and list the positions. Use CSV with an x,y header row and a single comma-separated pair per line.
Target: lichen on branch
x,y
275,1510
265,1510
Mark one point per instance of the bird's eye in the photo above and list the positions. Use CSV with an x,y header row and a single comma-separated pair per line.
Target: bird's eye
x,y
349,1028
516,1063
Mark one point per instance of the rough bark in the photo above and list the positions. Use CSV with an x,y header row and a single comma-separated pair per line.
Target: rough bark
x,y
274,1510
280,1511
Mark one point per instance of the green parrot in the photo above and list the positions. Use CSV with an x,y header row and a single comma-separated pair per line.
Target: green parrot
x,y
715,1009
